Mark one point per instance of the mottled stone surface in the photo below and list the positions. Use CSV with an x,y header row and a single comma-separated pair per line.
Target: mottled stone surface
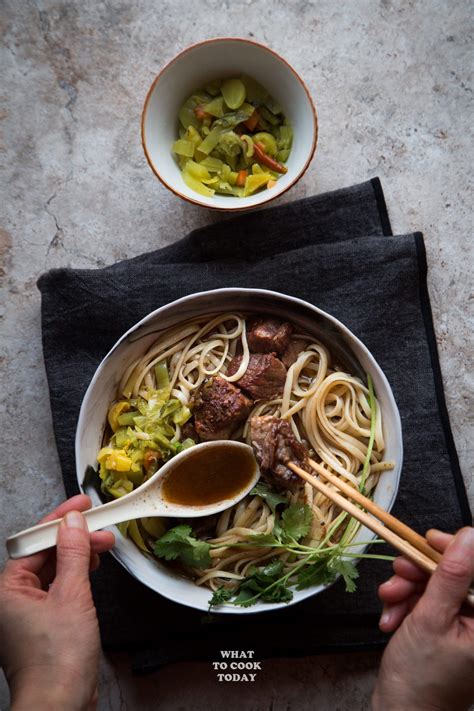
x,y
391,80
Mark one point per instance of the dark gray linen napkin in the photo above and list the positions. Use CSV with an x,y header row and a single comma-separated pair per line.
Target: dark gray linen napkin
x,y
337,252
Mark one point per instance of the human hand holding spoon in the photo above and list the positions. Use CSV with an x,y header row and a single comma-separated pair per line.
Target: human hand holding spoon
x,y
202,480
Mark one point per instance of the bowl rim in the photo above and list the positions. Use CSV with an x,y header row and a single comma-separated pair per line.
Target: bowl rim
x,y
196,201
81,424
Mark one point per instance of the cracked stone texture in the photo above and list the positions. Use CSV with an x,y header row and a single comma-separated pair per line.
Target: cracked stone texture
x,y
391,81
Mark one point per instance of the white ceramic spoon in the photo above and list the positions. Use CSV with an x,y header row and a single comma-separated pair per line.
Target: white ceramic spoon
x,y
147,500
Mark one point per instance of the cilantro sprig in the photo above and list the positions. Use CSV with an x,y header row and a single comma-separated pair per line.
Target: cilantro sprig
x,y
272,498
321,566
296,521
313,566
270,583
179,544
325,571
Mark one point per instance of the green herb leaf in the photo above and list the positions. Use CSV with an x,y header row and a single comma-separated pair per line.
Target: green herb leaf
x,y
264,584
316,573
271,570
246,596
260,578
220,596
348,571
296,520
277,593
277,531
272,499
325,570
179,544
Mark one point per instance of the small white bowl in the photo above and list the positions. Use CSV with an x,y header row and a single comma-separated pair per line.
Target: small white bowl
x,y
191,70
134,343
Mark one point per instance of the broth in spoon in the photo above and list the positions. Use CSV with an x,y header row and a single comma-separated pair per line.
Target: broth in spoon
x,y
209,475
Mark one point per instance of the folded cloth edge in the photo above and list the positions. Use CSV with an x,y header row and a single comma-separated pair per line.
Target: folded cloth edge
x,y
438,379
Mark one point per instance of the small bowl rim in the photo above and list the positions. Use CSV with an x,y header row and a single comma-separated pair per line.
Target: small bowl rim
x,y
196,201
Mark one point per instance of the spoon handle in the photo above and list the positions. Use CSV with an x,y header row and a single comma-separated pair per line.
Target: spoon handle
x,y
44,535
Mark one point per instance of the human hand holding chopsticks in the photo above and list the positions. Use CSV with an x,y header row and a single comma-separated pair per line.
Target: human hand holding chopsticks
x,y
410,543
429,662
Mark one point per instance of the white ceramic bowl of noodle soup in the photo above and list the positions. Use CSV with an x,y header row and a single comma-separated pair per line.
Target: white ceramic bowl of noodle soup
x,y
217,59
346,349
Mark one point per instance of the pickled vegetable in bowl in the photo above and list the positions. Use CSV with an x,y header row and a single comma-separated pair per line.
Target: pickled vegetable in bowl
x,y
233,138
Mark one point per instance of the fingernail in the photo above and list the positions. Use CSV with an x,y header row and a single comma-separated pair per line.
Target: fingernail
x,y
462,546
73,519
388,583
385,618
466,539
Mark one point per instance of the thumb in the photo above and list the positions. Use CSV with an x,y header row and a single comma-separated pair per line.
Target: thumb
x,y
73,553
449,584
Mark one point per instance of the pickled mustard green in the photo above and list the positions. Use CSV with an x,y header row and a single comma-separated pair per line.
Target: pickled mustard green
x,y
233,138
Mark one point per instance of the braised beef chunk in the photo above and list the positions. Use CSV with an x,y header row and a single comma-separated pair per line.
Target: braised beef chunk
x,y
268,335
219,407
275,445
264,378
292,351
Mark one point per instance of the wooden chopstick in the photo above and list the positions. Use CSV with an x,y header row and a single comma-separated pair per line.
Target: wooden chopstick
x,y
403,546
408,549
390,521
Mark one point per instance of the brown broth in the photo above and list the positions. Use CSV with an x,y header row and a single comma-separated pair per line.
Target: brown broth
x,y
210,475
